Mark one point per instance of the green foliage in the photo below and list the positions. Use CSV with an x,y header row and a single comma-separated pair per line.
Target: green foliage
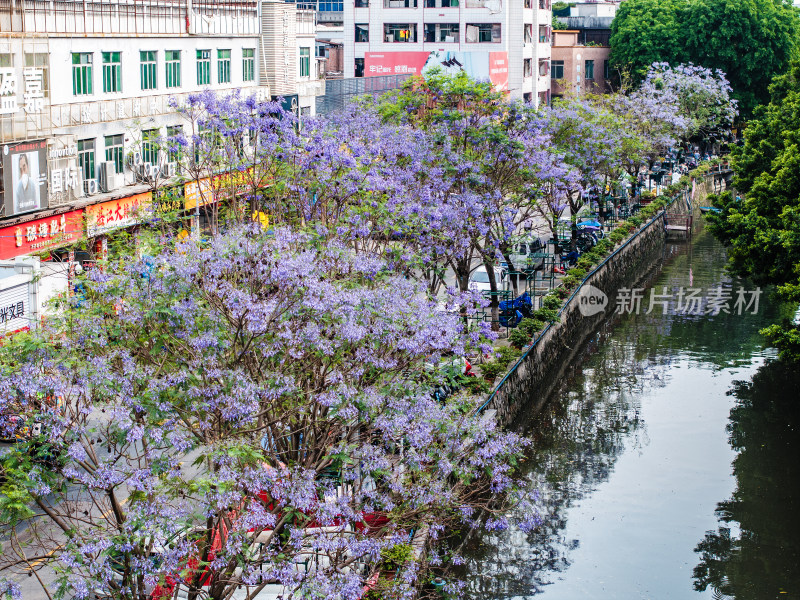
x,y
507,354
647,31
476,386
491,369
397,555
762,230
561,9
558,24
548,315
519,338
551,302
718,34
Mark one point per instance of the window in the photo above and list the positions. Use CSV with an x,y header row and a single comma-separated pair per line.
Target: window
x,y
483,32
362,3
527,67
441,3
544,67
305,62
399,3
441,32
557,69
362,32
147,67
150,146
114,151
330,6
223,66
400,32
544,4
6,60
248,64
112,72
544,34
172,60
81,73
204,67
86,161
606,70
359,67
40,60
527,37
173,148
588,71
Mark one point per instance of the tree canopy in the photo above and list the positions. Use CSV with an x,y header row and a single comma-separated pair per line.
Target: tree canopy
x,y
750,40
761,227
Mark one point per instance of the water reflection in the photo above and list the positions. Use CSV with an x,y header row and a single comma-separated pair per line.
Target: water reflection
x,y
631,456
755,552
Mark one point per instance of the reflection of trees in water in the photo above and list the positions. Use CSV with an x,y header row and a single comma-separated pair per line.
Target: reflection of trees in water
x,y
755,552
576,439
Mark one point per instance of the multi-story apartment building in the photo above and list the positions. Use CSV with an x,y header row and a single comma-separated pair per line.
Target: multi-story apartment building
x,y
84,84
505,41
87,87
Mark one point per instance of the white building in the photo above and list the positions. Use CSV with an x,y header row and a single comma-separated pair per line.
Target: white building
x,y
96,80
507,41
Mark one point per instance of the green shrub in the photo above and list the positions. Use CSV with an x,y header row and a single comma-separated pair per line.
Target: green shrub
x,y
551,301
560,292
603,247
397,555
532,326
490,370
519,337
507,354
476,385
635,221
546,314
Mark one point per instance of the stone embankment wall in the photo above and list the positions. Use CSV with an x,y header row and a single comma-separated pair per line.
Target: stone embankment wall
x,y
531,380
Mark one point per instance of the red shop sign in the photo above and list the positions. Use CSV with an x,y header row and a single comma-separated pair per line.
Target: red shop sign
x,y
41,234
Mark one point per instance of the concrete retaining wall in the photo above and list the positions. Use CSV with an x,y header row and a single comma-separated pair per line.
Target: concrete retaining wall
x,y
530,382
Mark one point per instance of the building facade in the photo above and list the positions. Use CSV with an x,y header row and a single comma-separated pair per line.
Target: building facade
x,y
88,89
505,41
577,68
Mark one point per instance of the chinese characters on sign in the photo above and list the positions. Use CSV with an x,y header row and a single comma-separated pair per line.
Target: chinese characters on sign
x,y
33,94
41,234
12,311
689,301
104,217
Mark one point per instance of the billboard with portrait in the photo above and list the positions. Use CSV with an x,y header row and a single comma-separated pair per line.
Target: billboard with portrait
x,y
24,177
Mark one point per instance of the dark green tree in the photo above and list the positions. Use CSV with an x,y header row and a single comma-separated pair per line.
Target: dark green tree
x,y
762,227
647,31
752,41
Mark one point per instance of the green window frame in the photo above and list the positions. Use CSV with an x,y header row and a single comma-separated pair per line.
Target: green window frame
x,y
204,67
588,72
305,62
150,146
223,66
115,151
147,69
248,64
112,72
81,73
172,60
86,161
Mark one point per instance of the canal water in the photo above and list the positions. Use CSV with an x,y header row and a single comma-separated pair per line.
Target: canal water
x,y
668,463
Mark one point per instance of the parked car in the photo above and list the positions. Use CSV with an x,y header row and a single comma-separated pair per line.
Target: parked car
x,y
479,279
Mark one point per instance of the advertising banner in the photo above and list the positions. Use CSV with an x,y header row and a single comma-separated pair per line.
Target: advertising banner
x,y
15,308
24,177
107,216
41,234
491,66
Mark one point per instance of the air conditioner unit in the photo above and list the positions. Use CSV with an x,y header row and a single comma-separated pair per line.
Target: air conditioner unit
x,y
170,169
109,180
90,187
